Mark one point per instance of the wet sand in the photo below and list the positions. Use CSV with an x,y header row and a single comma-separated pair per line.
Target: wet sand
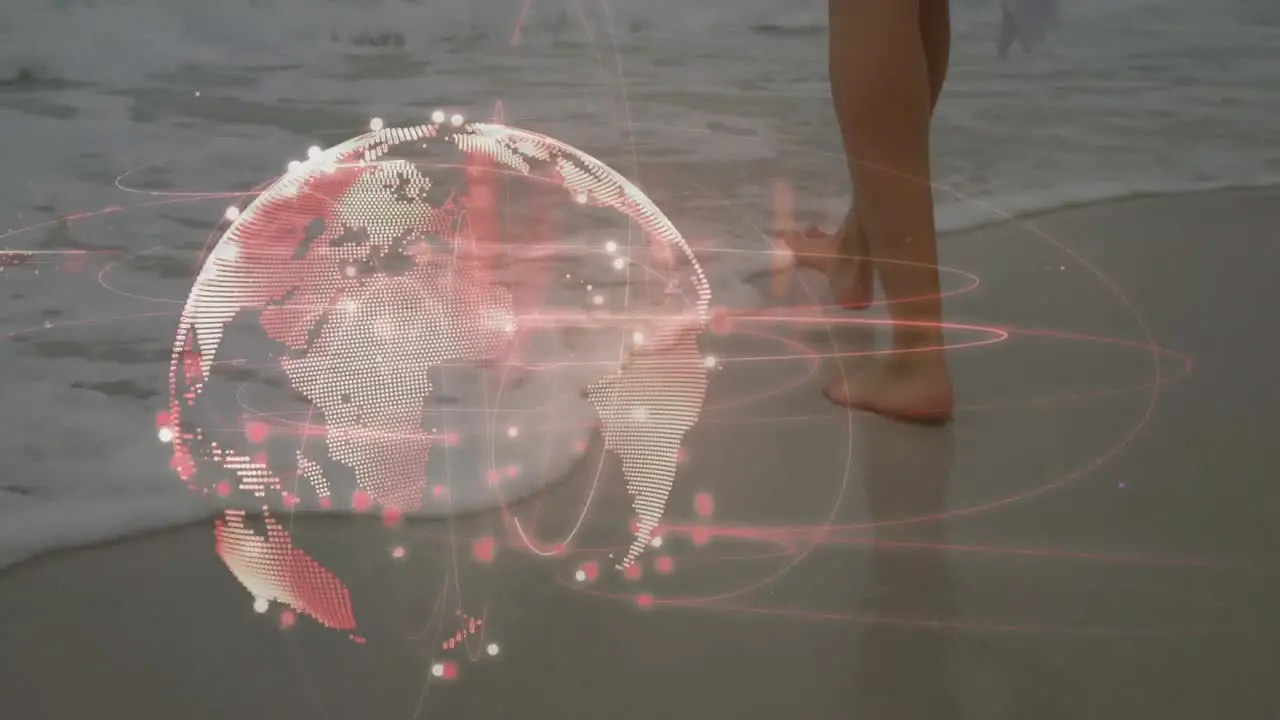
x,y
1092,538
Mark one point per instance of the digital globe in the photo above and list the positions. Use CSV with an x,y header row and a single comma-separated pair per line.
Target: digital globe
x,y
426,321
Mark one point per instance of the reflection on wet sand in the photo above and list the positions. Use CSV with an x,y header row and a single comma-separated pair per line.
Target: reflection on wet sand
x,y
907,470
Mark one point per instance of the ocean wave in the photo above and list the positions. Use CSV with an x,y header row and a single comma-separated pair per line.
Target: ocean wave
x,y
122,38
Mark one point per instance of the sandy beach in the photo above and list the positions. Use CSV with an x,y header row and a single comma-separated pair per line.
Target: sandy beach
x,y
1092,538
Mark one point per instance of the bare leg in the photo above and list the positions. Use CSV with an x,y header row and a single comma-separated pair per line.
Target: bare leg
x,y
852,279
935,33
883,97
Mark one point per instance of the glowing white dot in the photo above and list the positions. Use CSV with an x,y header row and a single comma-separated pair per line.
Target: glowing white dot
x,y
492,649
385,327
231,213
166,434
597,300
349,271
580,576
437,670
456,120
709,361
513,431
656,541
580,198
294,165
261,605
619,263
637,337
611,246
437,116
375,124
313,152
197,93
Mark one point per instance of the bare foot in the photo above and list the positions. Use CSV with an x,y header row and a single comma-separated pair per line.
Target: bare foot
x,y
912,389
848,271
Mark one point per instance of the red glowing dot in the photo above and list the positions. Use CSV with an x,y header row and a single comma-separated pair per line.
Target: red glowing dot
x,y
579,446
360,500
287,618
700,536
438,490
704,504
450,671
192,366
256,432
644,600
631,572
590,571
391,516
181,463
482,549
512,471
326,502
162,419
259,458
222,488
664,565
493,477
682,457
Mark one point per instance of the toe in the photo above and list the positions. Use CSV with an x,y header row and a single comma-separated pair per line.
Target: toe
x,y
811,247
846,395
